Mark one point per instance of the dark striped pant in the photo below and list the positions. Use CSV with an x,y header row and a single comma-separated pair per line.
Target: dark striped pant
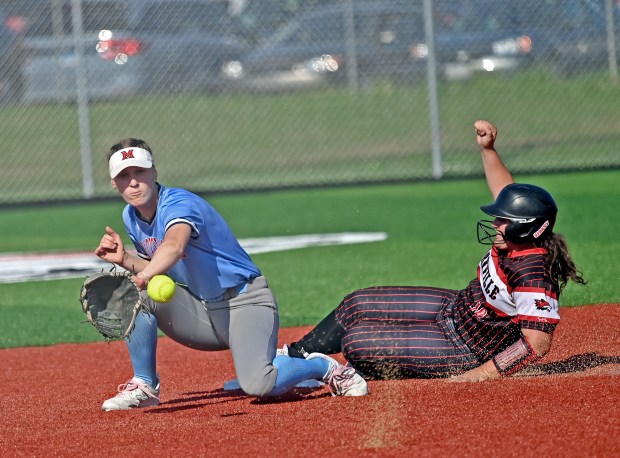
x,y
393,332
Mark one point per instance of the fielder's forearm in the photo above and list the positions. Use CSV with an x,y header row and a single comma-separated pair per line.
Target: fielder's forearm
x,y
169,251
133,263
166,256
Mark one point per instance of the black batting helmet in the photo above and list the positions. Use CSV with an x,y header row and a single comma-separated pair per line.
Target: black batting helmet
x,y
531,210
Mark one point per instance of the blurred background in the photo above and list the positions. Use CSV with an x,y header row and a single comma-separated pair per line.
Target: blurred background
x,y
242,95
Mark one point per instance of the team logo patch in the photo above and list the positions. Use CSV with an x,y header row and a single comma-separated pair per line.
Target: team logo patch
x,y
479,310
127,154
542,304
150,245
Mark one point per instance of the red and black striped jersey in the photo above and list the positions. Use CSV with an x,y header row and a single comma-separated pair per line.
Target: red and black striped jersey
x,y
513,290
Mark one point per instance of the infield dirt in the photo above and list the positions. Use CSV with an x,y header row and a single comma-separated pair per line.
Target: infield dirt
x,y
565,406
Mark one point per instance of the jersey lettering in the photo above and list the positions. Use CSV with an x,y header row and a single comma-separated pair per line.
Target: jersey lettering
x,y
150,245
479,310
539,232
493,287
490,288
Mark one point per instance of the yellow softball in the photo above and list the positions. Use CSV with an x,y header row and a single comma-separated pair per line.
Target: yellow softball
x,y
161,288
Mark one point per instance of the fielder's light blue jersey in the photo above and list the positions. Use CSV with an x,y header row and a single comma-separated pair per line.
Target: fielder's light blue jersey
x,y
213,261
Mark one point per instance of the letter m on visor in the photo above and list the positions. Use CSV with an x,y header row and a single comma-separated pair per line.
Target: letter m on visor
x,y
128,154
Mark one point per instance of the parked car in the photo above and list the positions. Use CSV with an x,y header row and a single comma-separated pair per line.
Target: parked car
x,y
185,43
129,47
12,58
569,37
463,42
565,36
319,48
50,71
260,18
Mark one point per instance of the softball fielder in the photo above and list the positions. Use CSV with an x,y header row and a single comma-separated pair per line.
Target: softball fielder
x,y
224,301
501,322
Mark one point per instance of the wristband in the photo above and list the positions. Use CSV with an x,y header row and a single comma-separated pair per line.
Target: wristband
x,y
513,358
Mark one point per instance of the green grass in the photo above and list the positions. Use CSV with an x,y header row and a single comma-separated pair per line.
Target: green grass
x,y
431,241
210,142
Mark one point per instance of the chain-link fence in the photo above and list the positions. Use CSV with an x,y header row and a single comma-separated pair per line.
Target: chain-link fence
x,y
257,94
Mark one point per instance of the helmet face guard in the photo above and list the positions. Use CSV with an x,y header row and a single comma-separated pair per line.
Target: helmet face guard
x,y
531,211
487,234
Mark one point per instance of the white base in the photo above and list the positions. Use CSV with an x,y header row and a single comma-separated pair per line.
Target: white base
x,y
234,384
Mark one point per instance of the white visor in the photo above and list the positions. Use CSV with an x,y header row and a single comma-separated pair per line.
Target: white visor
x,y
129,157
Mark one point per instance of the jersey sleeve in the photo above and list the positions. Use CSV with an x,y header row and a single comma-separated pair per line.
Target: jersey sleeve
x,y
537,308
534,293
179,208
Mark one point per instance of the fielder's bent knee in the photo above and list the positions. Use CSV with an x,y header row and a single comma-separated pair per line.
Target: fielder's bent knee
x,y
258,385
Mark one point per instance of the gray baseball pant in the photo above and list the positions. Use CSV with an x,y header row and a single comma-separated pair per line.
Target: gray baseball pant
x,y
247,324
